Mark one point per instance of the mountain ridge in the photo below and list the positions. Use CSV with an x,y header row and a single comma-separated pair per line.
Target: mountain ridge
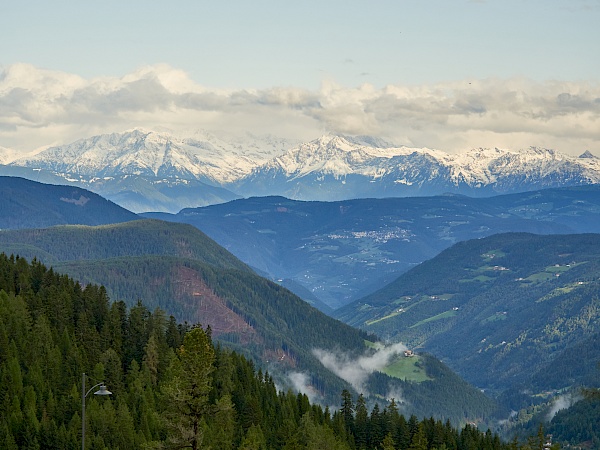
x,y
355,171
331,167
29,204
202,156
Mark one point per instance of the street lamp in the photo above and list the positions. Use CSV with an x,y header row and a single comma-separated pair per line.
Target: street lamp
x,y
84,394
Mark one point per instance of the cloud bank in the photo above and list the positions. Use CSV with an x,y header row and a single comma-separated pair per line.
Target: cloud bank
x,y
41,107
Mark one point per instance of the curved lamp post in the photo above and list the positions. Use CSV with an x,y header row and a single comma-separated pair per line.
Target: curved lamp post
x,y
84,394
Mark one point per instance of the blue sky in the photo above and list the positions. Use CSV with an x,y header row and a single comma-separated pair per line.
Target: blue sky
x,y
260,44
348,57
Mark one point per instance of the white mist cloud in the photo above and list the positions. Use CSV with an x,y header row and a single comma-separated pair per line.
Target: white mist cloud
x,y
42,107
398,396
356,370
562,402
301,383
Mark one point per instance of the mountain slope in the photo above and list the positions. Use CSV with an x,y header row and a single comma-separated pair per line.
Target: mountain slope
x,y
343,250
177,268
257,317
499,310
137,238
28,204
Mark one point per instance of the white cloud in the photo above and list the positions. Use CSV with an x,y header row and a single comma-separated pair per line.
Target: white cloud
x,y
40,107
301,383
562,402
356,370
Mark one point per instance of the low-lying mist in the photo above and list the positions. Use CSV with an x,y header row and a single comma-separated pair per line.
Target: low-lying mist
x,y
356,370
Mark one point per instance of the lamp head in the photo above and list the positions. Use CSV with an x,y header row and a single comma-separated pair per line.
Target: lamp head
x,y
102,391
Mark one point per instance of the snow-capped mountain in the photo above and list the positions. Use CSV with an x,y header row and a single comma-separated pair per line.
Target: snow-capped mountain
x,y
201,156
335,168
8,155
5,155
147,170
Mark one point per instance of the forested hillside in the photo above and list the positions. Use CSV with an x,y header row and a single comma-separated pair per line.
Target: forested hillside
x,y
259,318
136,238
171,386
511,312
28,204
574,424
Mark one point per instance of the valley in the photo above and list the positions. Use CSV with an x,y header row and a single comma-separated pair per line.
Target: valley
x,y
178,269
341,251
500,307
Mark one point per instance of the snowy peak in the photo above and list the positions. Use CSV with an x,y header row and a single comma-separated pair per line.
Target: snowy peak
x,y
332,167
157,154
6,155
334,155
135,152
587,155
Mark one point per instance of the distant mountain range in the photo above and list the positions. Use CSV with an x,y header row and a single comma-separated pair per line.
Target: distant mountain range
x,y
335,168
341,251
151,171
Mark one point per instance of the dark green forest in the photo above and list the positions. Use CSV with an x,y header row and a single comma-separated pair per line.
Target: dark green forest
x,y
135,238
172,387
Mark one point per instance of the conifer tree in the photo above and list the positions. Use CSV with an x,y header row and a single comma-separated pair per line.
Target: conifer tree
x,y
347,409
187,392
388,443
254,439
419,439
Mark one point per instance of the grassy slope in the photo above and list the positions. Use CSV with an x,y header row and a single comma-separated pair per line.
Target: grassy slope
x,y
496,319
